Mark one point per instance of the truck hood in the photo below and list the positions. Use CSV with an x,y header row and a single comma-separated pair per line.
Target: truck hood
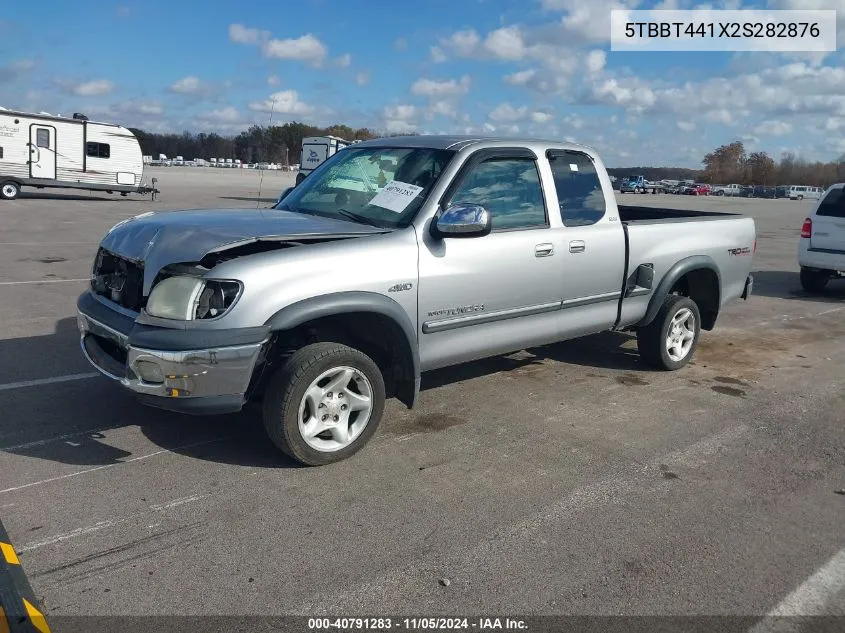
x,y
158,239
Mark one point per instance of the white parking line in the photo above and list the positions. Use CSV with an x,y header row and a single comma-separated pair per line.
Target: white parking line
x,y
42,281
123,463
831,311
46,381
61,438
811,598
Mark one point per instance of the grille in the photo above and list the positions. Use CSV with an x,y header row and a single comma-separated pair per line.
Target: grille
x,y
118,280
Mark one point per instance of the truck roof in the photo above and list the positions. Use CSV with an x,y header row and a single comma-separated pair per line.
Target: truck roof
x,y
458,142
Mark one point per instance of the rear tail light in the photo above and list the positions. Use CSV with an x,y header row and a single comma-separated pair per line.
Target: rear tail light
x,y
807,228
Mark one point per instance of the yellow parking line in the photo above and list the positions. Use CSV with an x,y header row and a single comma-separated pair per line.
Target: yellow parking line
x,y
38,620
9,554
4,623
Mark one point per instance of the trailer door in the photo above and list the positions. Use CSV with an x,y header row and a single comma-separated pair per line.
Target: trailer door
x,y
42,151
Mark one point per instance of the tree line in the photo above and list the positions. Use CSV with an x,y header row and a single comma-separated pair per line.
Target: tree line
x,y
731,164
280,144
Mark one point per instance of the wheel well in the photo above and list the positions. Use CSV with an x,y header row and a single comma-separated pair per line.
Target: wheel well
x,y
702,286
377,335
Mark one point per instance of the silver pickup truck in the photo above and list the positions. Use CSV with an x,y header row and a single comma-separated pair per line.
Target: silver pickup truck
x,y
396,257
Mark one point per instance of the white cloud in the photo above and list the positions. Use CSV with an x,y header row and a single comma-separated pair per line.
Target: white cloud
x,y
719,116
437,55
399,127
283,102
506,43
242,35
93,88
442,108
463,43
362,79
344,61
686,126
433,88
187,86
401,112
595,61
16,69
223,115
541,117
506,112
273,80
305,48
773,128
521,77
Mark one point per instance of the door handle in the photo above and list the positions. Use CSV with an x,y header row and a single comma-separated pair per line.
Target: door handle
x,y
544,250
577,246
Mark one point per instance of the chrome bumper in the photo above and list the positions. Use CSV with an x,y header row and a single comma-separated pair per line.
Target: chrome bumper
x,y
202,381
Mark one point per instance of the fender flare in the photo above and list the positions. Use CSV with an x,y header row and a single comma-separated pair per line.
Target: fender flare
x,y
681,268
339,303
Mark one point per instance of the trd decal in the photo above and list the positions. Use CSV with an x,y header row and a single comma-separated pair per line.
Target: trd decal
x,y
739,251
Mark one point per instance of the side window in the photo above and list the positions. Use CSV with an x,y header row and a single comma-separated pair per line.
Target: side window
x,y
98,150
1,152
509,188
42,138
579,191
833,204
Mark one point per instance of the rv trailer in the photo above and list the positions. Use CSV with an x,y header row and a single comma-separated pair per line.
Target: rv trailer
x,y
47,151
316,150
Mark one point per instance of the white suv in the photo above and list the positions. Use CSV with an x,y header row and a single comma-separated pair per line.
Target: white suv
x,y
821,251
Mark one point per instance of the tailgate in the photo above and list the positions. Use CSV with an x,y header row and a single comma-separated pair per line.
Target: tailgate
x,y
829,222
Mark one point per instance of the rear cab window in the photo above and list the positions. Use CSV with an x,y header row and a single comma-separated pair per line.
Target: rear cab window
x,y
833,204
579,192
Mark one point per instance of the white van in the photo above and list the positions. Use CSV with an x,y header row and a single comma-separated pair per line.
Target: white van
x,y
802,193
821,250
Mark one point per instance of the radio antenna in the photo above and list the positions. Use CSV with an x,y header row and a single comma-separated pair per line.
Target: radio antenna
x,y
261,177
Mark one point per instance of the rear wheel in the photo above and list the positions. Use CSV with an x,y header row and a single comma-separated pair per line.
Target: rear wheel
x,y
670,340
299,178
814,280
9,190
324,404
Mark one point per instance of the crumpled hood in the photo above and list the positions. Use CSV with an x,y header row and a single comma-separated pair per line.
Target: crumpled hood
x,y
159,239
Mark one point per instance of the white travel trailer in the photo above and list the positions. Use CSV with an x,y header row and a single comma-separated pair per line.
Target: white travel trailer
x,y
42,150
316,150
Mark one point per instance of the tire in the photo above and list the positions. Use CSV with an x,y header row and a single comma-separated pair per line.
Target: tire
x,y
285,403
9,190
814,280
800,197
300,178
653,340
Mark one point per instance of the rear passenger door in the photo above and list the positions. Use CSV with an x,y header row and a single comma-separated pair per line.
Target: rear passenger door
x,y
829,222
593,255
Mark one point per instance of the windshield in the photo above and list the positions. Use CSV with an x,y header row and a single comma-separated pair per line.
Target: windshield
x,y
381,186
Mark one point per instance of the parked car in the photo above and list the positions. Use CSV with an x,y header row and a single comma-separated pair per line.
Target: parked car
x,y
781,192
727,190
763,192
821,248
698,189
746,191
257,305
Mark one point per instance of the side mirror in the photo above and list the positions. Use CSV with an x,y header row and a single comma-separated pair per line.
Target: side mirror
x,y
283,194
462,220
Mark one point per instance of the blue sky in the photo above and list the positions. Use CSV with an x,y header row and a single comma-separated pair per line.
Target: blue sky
x,y
504,67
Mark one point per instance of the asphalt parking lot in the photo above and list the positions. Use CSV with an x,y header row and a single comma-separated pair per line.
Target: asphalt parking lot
x,y
567,480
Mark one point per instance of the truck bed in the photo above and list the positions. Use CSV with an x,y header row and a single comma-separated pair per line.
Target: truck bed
x,y
631,214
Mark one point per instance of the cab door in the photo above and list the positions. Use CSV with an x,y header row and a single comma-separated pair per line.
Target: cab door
x,y
492,294
42,151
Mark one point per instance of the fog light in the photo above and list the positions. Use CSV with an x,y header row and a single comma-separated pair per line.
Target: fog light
x,y
149,372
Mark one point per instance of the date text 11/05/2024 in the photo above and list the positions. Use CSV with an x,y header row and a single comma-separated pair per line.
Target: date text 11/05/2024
x,y
416,624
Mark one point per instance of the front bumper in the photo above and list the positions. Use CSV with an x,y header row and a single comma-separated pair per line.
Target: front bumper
x,y
210,380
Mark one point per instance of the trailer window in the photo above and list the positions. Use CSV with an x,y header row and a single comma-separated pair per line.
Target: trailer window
x,y
98,150
42,138
579,191
1,152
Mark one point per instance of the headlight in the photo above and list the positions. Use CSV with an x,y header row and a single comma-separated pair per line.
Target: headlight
x,y
189,298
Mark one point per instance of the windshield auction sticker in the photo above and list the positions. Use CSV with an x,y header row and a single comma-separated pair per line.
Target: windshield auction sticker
x,y
396,196
804,30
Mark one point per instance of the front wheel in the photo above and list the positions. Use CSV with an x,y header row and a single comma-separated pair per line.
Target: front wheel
x,y
9,190
671,339
324,404
814,280
299,178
